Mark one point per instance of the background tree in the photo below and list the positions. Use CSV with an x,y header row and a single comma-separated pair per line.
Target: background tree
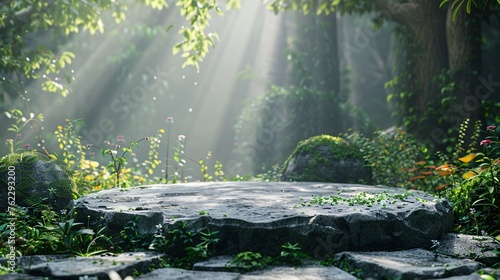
x,y
441,62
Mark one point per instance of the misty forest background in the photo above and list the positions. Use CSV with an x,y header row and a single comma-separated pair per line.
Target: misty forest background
x,y
273,78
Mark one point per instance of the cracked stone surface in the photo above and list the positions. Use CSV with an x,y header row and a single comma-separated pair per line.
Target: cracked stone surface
x,y
262,216
99,266
408,264
480,248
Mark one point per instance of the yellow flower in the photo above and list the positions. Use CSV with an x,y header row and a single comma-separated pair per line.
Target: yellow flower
x,y
59,127
89,177
86,164
139,178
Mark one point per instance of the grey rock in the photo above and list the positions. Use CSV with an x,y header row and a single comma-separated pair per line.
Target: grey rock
x,y
28,261
300,273
219,263
178,274
307,271
260,217
326,159
480,248
73,268
409,264
36,182
478,275
20,276
272,273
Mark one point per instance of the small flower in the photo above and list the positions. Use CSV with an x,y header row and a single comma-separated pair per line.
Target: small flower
x,y
120,138
146,138
9,140
26,146
88,146
117,146
485,142
491,128
111,248
170,120
94,243
472,211
182,137
59,127
159,226
107,142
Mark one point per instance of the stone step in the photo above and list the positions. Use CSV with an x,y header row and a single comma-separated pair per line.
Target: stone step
x,y
408,264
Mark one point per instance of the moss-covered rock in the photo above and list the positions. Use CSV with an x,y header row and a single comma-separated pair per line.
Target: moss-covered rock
x,y
326,158
28,180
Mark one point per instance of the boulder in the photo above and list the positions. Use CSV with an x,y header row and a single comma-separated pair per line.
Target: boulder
x,y
326,159
34,181
261,217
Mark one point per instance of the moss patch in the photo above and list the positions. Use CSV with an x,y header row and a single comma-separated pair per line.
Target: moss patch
x,y
37,181
322,156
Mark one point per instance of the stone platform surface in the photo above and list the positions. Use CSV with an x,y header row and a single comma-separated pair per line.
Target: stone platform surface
x,y
372,232
262,216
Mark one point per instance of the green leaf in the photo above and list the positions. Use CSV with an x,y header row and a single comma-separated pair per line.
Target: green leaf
x,y
444,2
454,15
486,276
176,48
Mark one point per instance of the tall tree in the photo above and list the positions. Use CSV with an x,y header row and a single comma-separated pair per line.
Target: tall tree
x,y
441,63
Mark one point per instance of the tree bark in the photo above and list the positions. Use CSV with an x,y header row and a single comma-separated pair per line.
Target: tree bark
x,y
464,48
426,57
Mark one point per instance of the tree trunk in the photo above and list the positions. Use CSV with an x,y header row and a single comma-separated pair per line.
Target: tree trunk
x,y
426,58
464,48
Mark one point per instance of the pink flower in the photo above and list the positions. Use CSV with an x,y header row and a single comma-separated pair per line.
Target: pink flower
x,y
146,138
491,128
182,137
26,146
120,138
170,119
485,142
118,146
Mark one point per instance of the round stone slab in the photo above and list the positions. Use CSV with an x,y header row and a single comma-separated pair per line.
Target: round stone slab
x,y
257,216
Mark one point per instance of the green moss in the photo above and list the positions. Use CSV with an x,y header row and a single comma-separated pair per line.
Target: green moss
x,y
323,148
26,182
339,147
